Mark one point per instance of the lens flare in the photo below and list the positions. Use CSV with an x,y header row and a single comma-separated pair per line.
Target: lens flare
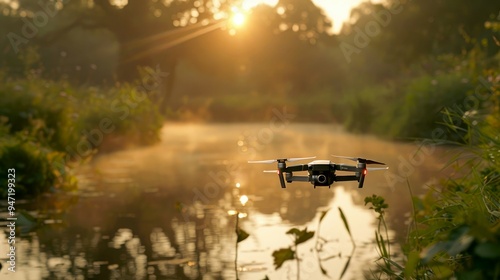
x,y
243,200
238,19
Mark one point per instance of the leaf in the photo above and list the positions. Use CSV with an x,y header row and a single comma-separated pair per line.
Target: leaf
x,y
241,235
26,221
323,214
282,255
391,262
300,236
488,250
323,271
304,236
495,213
294,231
346,225
411,264
345,267
442,271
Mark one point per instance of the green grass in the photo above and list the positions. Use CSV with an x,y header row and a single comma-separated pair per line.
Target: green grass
x,y
455,229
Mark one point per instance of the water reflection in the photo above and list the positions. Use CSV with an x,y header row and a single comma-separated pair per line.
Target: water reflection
x,y
161,212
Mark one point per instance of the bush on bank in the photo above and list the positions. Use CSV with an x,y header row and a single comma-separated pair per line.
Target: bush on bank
x,y
455,228
48,125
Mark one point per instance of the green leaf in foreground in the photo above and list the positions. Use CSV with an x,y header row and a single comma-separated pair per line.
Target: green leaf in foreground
x,y
282,255
411,264
488,250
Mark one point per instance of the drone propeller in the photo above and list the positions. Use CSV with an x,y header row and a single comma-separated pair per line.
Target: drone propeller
x,y
361,160
271,171
376,168
279,160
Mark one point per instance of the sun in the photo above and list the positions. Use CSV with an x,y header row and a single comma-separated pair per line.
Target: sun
x,y
238,19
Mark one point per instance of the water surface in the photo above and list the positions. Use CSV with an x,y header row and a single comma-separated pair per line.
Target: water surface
x,y
163,212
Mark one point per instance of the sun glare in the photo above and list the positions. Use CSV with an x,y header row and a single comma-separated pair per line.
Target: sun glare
x,y
238,19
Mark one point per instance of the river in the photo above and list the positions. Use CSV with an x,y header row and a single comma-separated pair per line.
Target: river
x,y
167,211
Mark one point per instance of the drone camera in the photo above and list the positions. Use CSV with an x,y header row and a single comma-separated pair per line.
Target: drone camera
x,y
321,175
321,178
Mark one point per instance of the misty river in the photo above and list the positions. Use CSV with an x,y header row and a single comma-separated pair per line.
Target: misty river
x,y
164,211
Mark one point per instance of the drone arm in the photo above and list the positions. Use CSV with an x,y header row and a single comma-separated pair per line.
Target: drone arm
x,y
298,178
346,178
361,180
350,168
282,180
294,168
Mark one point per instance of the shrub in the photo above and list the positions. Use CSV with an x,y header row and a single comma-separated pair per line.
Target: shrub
x,y
35,167
43,109
456,225
43,122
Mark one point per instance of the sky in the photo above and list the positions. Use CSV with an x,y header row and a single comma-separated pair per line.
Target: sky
x,y
337,10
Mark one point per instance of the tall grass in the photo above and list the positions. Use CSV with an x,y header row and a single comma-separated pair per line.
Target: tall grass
x,y
456,225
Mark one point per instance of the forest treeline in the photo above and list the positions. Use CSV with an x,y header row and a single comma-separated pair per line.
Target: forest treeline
x,y
75,71
389,64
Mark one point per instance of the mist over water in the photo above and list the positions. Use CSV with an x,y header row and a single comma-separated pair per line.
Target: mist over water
x,y
163,211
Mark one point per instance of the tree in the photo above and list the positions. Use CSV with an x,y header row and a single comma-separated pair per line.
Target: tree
x,y
161,33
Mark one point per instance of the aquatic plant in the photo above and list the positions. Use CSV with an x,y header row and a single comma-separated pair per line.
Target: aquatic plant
x,y
291,253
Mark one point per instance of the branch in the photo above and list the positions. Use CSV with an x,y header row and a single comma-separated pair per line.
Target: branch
x,y
56,35
106,6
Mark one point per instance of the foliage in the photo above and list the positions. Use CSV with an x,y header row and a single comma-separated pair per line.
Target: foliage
x,y
459,223
36,167
287,254
412,107
42,109
47,125
129,108
346,225
383,242
401,80
282,255
456,225
241,235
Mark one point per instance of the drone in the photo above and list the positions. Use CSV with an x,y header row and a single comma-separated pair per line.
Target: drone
x,y
322,172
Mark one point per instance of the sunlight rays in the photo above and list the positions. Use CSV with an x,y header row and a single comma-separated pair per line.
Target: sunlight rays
x,y
174,42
